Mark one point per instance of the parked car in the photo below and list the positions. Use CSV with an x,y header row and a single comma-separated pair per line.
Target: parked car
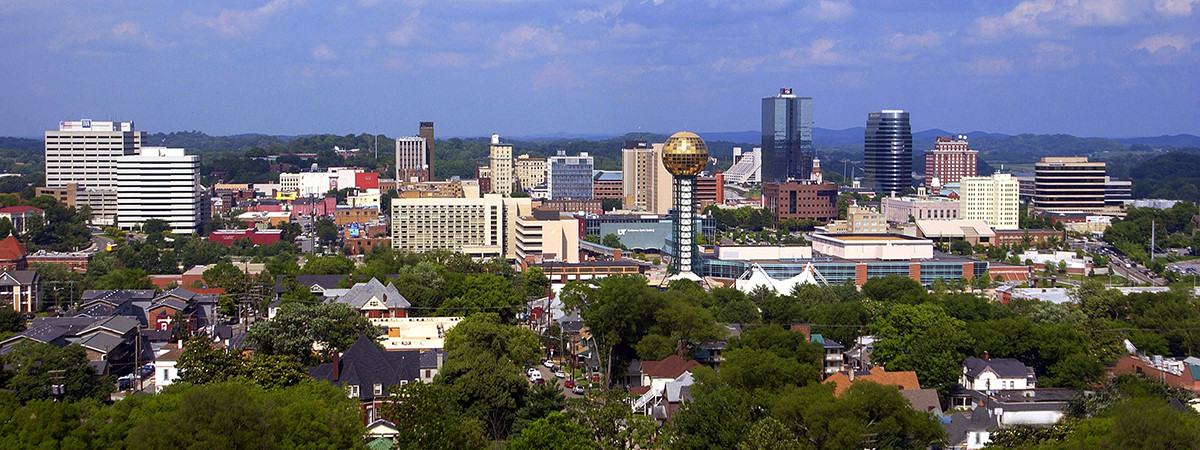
x,y
577,390
126,382
536,377
530,371
559,374
569,384
540,382
549,364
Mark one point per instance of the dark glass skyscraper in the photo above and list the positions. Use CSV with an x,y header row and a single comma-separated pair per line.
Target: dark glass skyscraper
x,y
787,146
888,152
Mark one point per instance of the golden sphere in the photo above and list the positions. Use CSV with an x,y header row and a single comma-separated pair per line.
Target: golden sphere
x,y
684,154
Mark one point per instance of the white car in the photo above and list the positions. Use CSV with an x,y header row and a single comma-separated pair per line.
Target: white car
x,y
530,371
560,374
548,363
535,377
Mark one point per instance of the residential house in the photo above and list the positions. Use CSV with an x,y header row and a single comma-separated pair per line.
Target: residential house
x,y
22,290
12,254
969,430
926,400
110,342
196,309
165,369
996,374
431,363
367,372
663,397
903,380
374,300
657,373
317,284
1037,407
21,217
709,353
119,302
833,362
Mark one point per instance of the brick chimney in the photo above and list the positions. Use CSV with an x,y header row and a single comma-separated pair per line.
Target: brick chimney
x,y
985,355
336,363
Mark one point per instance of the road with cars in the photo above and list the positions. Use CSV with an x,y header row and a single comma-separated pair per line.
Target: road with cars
x,y
548,375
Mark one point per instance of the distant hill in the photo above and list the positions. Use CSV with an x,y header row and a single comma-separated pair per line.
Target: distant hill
x,y
1175,140
1175,175
17,143
198,141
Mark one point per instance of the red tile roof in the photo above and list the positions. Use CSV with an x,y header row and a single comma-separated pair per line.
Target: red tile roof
x,y
904,380
11,249
19,210
669,367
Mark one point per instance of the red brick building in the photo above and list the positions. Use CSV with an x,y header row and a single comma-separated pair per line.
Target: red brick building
x,y
256,237
12,254
795,200
950,160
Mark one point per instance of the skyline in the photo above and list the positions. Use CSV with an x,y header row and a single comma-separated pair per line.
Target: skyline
x,y
290,67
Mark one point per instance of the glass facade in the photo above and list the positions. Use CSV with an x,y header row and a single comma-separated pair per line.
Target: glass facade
x,y
787,147
840,271
888,152
570,177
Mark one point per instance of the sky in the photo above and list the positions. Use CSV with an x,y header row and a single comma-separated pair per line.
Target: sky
x,y
1109,68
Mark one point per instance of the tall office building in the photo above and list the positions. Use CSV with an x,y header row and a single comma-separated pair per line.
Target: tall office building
x,y
570,177
1068,184
647,184
84,154
426,133
500,161
480,227
993,199
950,160
159,183
412,159
888,152
787,146
530,171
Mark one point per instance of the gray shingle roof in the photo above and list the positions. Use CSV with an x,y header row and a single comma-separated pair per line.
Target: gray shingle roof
x,y
365,364
114,324
101,342
1002,367
362,293
18,277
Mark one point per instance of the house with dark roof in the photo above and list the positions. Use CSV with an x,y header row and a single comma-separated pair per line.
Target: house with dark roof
x,y
22,290
994,374
431,363
317,284
657,373
196,309
374,300
969,430
111,343
12,254
121,302
367,372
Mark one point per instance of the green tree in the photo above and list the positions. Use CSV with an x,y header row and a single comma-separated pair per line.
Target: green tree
x,y
611,240
123,279
36,368
541,401
612,423
11,321
432,418
924,339
226,276
326,231
328,265
769,434
299,328
151,226
553,431
203,363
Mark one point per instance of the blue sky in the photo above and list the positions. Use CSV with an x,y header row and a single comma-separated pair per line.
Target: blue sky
x,y
1086,67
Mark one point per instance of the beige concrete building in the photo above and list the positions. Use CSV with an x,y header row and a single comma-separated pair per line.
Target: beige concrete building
x,y
547,235
647,184
994,200
412,159
859,220
84,153
500,161
530,171
480,227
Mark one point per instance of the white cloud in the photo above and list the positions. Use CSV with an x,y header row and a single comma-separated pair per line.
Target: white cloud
x,y
588,15
1175,7
132,32
1032,17
739,65
1051,55
555,74
901,41
407,31
627,30
525,42
232,22
1155,43
819,53
322,52
829,10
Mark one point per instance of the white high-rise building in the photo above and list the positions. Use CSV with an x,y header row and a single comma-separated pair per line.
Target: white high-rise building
x,y
411,159
500,161
159,183
84,154
993,199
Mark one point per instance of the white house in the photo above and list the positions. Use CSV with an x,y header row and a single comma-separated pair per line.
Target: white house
x,y
165,371
996,374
